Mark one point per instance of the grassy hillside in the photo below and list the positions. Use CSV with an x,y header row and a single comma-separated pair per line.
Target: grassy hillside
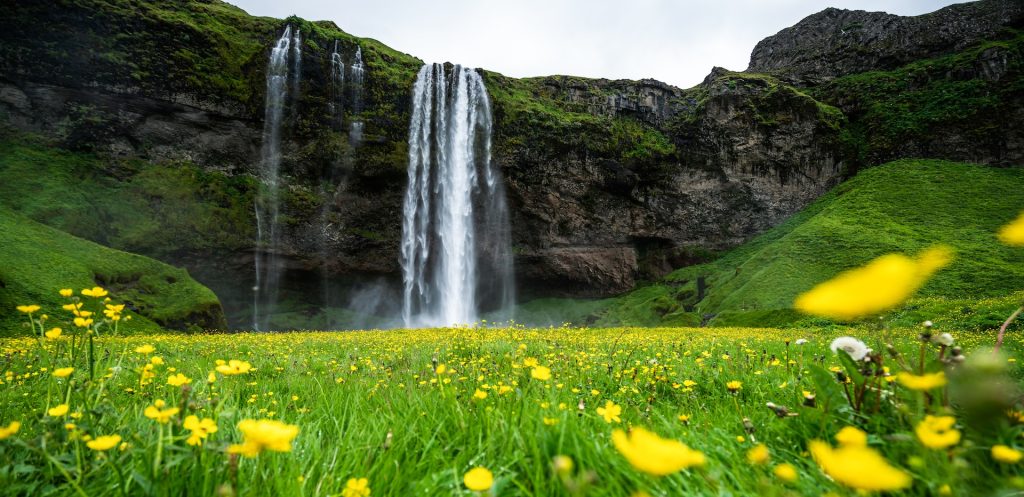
x,y
902,206
38,260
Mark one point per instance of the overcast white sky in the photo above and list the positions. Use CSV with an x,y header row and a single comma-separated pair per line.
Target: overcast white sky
x,y
675,41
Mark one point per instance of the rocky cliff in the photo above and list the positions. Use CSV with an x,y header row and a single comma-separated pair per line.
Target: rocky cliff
x,y
609,182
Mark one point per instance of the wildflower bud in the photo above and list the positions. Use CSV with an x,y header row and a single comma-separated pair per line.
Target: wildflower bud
x,y
748,426
780,411
841,376
225,489
956,351
809,401
387,440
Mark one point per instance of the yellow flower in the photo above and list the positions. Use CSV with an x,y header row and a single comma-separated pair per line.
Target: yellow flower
x,y
562,464
478,479
83,322
160,415
10,429
441,368
28,309
178,380
882,284
734,386
95,291
654,455
936,432
66,292
858,467
234,367
212,377
479,394
785,472
542,373
1013,233
852,437
156,360
265,434
145,349
53,333
530,362
58,411
758,454
1000,453
63,372
356,487
923,382
200,429
610,412
103,443
685,418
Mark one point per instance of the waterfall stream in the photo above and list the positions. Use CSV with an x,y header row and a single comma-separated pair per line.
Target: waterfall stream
x,y
455,235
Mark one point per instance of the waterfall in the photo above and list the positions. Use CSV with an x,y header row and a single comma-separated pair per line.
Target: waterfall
x,y
337,103
455,223
358,71
267,205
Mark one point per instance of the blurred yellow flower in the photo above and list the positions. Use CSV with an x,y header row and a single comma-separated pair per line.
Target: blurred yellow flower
x,y
63,372
542,373
851,436
758,454
28,309
610,412
103,443
95,291
478,479
479,394
1013,233
926,381
734,386
936,432
58,411
882,284
858,467
53,333
265,434
66,292
356,487
785,472
654,455
1000,453
178,380
145,349
155,412
562,464
200,429
234,367
83,322
10,429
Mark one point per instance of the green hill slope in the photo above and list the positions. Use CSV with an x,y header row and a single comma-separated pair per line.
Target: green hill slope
x,y
902,206
36,261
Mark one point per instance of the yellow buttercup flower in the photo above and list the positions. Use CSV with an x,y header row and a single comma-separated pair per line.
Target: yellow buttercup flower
x,y
610,412
265,434
356,487
234,367
10,429
927,381
654,455
936,432
734,386
178,380
1013,233
1000,453
104,443
145,349
858,467
58,411
542,373
83,322
478,479
66,292
851,436
882,284
53,333
479,394
758,454
200,429
786,472
95,291
28,309
155,412
63,372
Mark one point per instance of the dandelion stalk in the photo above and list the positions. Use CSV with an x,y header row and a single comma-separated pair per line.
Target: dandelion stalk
x,y
1002,329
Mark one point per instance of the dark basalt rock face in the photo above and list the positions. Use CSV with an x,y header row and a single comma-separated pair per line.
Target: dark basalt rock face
x,y
609,182
837,42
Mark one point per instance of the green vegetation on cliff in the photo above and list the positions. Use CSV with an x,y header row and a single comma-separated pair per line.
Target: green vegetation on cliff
x,y
903,206
39,260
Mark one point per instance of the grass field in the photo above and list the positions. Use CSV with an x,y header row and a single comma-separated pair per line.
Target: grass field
x,y
413,411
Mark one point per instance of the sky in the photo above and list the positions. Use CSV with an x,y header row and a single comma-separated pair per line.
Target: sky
x,y
675,41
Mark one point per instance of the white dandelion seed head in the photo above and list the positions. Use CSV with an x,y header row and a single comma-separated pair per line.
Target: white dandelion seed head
x,y
943,339
855,348
800,341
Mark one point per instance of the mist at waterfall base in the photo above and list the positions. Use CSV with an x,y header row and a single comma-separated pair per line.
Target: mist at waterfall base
x,y
456,259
